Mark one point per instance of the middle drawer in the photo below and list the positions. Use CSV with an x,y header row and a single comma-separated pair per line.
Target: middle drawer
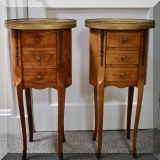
x,y
39,59
115,56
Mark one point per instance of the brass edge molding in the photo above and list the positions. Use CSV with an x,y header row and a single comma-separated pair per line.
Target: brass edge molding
x,y
40,24
119,24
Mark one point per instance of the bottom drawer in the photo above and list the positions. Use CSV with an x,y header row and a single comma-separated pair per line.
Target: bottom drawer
x,y
121,74
40,76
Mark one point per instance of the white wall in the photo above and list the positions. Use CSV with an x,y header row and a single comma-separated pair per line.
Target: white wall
x,y
3,71
156,60
3,85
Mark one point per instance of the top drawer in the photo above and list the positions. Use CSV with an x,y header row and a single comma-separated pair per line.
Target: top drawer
x,y
40,39
123,39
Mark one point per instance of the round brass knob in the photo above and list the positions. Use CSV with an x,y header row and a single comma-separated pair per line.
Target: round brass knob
x,y
38,58
124,40
123,58
39,77
37,40
122,75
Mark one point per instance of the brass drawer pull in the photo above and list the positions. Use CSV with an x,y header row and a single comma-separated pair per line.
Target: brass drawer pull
x,y
123,58
122,75
37,40
39,77
38,58
124,40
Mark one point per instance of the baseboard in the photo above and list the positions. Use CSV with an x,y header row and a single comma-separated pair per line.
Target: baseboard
x,y
4,113
3,125
81,117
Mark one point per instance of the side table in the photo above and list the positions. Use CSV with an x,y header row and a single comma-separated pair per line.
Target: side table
x,y
41,58
118,57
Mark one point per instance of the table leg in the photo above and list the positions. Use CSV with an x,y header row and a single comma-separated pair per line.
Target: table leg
x,y
96,113
61,102
138,111
129,113
30,115
100,93
63,115
22,117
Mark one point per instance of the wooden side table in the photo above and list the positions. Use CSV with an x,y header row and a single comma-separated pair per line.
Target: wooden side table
x,y
118,57
41,58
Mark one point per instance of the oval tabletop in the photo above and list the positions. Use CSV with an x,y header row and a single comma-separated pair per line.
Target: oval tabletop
x,y
40,24
120,24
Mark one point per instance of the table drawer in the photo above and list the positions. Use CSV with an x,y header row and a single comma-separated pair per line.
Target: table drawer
x,y
39,75
121,74
123,39
41,39
122,57
37,59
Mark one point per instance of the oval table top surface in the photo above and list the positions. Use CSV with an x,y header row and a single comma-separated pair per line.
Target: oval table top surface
x,y
40,23
119,24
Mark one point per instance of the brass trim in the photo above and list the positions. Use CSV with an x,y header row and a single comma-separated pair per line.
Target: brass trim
x,y
40,23
119,24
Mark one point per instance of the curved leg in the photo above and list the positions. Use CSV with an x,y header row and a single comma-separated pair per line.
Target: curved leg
x,y
138,111
22,117
100,92
30,115
61,101
129,113
96,113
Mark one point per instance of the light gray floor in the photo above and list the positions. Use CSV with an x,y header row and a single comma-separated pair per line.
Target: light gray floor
x,y
81,142
3,145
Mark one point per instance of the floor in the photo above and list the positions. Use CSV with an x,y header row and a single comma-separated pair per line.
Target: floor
x,y
79,145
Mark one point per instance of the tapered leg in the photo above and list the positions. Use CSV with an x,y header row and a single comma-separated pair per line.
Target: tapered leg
x,y
30,115
61,101
100,92
22,117
129,113
96,113
63,115
138,111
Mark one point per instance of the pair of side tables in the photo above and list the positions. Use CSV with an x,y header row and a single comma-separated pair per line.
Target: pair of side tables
x,y
41,58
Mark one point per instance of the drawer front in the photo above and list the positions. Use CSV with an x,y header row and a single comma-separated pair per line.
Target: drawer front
x,y
121,74
122,57
35,59
123,39
41,39
39,75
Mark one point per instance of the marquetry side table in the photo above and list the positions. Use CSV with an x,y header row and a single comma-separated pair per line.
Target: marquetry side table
x,y
41,58
118,57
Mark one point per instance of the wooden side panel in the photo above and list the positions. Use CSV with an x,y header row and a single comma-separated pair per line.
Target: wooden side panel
x,y
143,57
16,59
94,53
67,50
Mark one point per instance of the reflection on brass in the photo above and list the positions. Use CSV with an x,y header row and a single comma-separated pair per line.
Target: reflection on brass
x,y
124,40
122,75
38,58
120,24
123,58
40,24
39,77
37,40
